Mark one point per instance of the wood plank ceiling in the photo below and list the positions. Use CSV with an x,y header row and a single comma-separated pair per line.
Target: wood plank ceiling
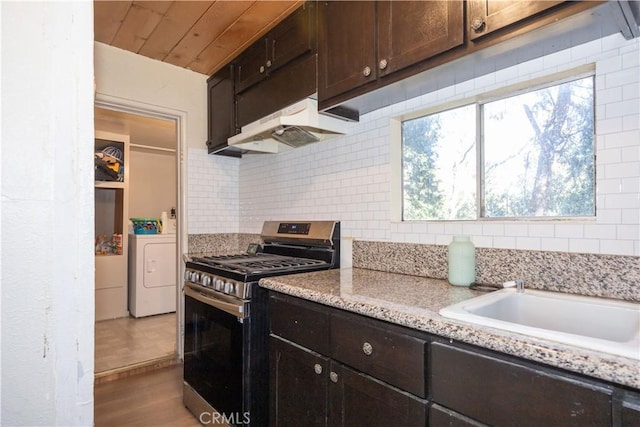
x,y
198,35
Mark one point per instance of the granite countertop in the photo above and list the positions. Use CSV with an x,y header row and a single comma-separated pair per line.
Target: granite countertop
x,y
414,302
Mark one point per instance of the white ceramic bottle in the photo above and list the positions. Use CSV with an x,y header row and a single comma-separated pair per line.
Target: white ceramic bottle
x,y
461,258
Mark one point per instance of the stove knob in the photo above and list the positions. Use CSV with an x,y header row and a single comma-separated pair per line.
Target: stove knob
x,y
219,285
195,277
187,275
205,280
230,288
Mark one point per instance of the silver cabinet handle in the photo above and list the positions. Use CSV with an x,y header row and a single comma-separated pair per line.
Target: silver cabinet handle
x,y
261,69
366,71
367,348
333,377
477,25
317,368
268,63
383,64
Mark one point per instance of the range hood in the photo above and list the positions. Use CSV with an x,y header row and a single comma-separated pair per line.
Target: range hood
x,y
294,126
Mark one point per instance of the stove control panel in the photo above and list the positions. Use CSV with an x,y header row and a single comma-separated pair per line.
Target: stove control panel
x,y
294,228
308,233
219,284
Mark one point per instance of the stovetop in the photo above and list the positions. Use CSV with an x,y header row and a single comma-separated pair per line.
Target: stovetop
x,y
257,263
288,247
252,267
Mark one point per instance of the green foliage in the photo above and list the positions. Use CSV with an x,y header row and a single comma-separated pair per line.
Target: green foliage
x,y
423,198
538,157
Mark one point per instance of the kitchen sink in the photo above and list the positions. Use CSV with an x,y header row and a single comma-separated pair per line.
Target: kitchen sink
x,y
605,325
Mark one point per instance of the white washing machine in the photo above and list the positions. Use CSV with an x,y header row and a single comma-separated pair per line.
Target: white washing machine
x,y
152,274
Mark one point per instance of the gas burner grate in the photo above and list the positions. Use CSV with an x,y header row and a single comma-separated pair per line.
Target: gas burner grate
x,y
259,263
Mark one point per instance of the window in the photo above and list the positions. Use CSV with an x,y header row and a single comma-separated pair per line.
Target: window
x,y
527,155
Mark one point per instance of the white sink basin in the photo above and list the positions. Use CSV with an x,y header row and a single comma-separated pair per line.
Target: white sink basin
x,y
604,325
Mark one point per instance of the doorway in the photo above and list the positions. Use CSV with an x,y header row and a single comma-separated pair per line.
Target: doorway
x,y
148,336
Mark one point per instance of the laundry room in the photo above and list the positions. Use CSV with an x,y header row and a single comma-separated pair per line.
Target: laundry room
x,y
136,200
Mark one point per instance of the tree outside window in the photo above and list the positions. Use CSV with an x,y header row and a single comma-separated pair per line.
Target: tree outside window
x,y
536,151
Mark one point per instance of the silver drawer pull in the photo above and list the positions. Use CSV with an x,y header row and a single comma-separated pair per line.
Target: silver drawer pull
x,y
317,368
367,348
333,377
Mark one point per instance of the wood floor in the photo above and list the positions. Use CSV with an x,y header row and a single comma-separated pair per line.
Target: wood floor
x,y
144,400
128,341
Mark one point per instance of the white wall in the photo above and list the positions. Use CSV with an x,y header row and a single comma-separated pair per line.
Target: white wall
x,y
47,213
153,183
211,193
129,77
349,178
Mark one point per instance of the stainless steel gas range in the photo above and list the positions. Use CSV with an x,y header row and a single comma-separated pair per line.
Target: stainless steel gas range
x,y
226,327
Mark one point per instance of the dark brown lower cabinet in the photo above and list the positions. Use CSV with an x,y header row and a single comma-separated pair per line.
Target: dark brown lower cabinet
x,y
630,414
498,392
356,399
311,390
330,367
298,385
443,417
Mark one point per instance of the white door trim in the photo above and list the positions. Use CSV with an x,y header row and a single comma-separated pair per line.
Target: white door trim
x,y
180,117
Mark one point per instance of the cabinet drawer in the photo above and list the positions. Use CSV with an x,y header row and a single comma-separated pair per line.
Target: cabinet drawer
x,y
381,351
497,392
302,322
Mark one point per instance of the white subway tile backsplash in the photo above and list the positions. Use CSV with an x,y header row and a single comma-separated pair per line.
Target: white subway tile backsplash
x,y
617,247
630,185
505,242
630,123
554,244
493,229
623,77
599,231
482,241
528,243
516,230
569,230
625,108
607,96
541,230
606,126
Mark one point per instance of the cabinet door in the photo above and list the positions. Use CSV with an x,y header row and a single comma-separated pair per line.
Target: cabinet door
x,y
221,115
298,385
412,31
356,399
499,392
251,65
486,16
631,412
442,417
292,38
346,46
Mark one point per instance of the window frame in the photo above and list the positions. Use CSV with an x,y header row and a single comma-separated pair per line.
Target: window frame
x,y
479,100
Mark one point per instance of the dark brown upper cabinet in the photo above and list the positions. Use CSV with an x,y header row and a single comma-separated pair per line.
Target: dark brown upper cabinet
x,y
360,42
294,37
221,112
487,16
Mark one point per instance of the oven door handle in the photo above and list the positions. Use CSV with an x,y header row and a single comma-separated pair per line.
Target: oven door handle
x,y
234,309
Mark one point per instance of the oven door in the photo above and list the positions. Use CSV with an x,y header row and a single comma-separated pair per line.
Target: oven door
x,y
213,341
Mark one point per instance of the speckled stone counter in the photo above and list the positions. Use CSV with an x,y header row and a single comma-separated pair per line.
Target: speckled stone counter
x,y
414,302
